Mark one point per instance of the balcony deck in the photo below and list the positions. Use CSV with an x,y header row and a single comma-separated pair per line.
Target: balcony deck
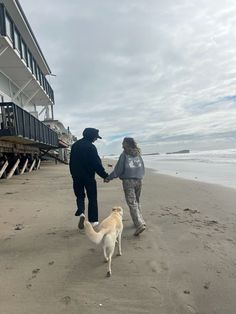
x,y
19,126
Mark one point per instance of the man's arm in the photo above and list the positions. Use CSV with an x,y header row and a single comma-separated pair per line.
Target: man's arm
x,y
97,163
71,157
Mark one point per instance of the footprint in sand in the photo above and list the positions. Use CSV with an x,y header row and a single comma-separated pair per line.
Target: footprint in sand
x,y
92,250
153,213
66,300
154,266
191,211
155,288
36,271
9,268
211,222
207,285
66,236
164,266
51,263
229,239
207,247
191,309
19,227
138,248
8,238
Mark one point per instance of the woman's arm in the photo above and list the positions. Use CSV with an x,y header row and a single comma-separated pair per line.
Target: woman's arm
x,y
119,168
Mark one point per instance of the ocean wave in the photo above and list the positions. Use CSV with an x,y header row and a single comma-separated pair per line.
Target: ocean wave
x,y
217,156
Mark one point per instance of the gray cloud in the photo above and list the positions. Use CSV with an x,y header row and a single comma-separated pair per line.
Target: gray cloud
x,y
163,72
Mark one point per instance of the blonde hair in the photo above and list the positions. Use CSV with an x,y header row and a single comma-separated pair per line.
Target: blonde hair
x,y
131,147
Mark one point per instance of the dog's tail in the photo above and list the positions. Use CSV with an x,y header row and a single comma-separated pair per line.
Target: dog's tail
x,y
95,237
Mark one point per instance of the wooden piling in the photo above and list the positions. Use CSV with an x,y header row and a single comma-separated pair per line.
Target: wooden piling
x,y
38,165
10,174
4,167
24,167
32,166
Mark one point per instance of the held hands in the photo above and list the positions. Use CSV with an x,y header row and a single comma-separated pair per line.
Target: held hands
x,y
106,180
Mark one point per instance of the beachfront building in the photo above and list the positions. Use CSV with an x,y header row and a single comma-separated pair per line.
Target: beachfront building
x,y
23,67
66,139
26,96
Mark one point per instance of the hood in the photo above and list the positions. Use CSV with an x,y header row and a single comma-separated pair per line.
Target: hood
x,y
132,151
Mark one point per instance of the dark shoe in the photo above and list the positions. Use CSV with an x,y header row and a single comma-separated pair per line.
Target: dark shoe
x,y
139,230
81,222
77,213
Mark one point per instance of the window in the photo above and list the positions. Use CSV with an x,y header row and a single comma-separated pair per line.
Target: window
x,y
24,52
36,71
46,86
39,74
34,67
9,27
17,40
30,64
43,81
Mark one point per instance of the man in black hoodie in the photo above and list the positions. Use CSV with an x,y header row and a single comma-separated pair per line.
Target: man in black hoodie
x,y
84,163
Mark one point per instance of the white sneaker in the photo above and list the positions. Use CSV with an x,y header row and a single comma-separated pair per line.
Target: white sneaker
x,y
95,223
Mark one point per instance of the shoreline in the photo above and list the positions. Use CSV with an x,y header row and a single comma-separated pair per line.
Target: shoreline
x,y
220,174
216,171
175,176
183,263
180,177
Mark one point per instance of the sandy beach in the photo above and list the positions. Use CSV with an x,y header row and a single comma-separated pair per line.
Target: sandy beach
x,y
185,262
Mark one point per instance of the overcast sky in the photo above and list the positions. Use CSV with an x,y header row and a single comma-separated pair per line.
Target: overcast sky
x,y
163,72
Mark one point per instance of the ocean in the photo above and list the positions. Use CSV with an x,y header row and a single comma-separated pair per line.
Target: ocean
x,y
214,166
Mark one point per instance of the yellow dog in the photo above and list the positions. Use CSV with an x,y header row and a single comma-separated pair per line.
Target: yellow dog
x,y
110,231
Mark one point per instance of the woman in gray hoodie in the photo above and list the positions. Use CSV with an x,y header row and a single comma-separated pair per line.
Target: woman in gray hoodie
x,y
130,169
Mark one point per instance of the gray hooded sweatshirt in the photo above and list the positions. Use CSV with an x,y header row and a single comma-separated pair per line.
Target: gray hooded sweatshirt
x,y
128,167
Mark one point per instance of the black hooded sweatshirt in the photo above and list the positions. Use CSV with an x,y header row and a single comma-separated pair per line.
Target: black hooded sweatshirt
x,y
84,160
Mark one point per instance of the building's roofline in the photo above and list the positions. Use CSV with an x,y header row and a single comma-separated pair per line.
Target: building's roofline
x,y
31,32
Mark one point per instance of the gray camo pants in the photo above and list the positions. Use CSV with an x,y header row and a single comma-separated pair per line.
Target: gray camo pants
x,y
132,189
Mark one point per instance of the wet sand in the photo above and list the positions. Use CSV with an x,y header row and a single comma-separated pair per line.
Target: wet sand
x,y
185,262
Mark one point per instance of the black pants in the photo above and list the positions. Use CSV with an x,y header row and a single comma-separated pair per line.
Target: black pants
x,y
89,186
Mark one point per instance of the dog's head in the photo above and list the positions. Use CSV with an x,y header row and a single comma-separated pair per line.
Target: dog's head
x,y
118,210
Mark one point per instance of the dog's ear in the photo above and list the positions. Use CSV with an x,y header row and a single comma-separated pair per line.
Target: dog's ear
x,y
117,209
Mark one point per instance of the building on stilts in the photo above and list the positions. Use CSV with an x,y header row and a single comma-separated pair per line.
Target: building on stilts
x,y
25,95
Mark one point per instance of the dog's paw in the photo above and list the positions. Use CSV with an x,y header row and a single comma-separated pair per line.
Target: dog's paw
x,y
119,254
109,274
